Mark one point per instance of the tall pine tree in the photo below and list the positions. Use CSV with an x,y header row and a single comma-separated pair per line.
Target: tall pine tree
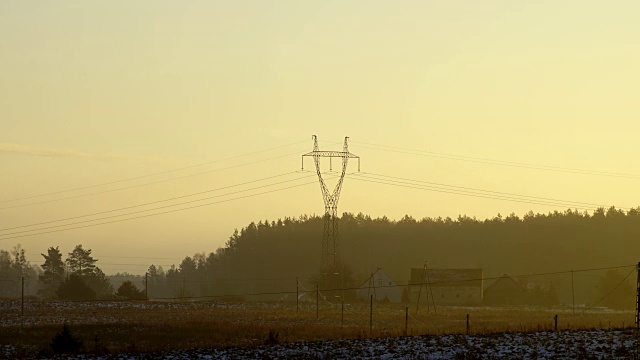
x,y
53,272
81,262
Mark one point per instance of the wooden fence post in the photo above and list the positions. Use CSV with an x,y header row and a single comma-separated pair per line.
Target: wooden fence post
x,y
371,315
467,324
406,320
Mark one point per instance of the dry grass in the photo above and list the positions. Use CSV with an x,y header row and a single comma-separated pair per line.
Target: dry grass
x,y
161,326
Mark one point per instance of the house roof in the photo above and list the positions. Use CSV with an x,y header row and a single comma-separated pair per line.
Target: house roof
x,y
505,281
376,275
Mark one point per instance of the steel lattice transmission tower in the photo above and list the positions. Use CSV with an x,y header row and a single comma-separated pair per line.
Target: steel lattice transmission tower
x,y
330,256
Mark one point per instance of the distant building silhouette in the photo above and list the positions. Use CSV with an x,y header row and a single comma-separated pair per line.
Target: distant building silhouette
x,y
380,285
449,286
505,291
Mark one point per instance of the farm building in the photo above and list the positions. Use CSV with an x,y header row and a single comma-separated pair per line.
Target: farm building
x,y
380,285
449,286
505,291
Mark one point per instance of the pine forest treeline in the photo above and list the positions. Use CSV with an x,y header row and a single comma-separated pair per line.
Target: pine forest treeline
x,y
267,256
534,243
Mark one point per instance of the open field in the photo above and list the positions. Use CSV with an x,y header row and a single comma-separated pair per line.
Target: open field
x,y
569,344
145,327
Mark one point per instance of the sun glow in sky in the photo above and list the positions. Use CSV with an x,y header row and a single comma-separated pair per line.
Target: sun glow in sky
x,y
94,92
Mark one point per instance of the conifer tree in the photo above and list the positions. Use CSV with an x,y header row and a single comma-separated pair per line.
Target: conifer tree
x,y
53,272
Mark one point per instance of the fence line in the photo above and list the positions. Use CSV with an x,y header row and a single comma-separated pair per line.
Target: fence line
x,y
385,320
175,279
381,286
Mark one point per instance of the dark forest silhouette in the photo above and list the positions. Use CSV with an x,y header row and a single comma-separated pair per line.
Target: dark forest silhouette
x,y
268,256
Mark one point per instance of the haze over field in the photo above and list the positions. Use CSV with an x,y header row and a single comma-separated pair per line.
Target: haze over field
x,y
94,93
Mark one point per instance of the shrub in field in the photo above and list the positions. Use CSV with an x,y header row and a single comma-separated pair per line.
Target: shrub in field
x,y
74,288
98,347
129,291
65,343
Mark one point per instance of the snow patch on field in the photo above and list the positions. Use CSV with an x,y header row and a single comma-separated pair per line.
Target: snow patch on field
x,y
541,345
599,344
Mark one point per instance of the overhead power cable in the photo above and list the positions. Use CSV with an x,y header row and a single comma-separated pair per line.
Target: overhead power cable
x,y
100,264
137,257
154,174
468,190
477,193
634,267
492,161
155,208
480,190
400,285
146,204
149,183
612,290
159,213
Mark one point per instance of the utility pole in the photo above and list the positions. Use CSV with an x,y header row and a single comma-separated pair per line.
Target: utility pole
x,y
371,315
637,298
22,311
146,286
573,294
330,255
372,283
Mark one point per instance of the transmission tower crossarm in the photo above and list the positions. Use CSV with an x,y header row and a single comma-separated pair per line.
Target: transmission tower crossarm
x,y
338,154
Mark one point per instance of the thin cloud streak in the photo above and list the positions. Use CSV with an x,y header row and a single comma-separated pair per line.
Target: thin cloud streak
x,y
28,150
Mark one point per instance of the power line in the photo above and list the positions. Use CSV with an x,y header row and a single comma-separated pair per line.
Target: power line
x,y
146,184
470,193
482,190
210,281
98,264
614,289
380,286
154,174
152,209
155,214
490,278
149,203
421,187
400,285
493,161
101,264
136,257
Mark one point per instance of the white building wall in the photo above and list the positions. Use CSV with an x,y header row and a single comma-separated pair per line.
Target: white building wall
x,y
380,287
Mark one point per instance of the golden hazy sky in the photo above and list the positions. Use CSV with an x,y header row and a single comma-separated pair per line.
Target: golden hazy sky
x,y
93,92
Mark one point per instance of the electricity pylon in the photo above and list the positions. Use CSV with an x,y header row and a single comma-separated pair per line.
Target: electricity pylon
x,y
330,256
